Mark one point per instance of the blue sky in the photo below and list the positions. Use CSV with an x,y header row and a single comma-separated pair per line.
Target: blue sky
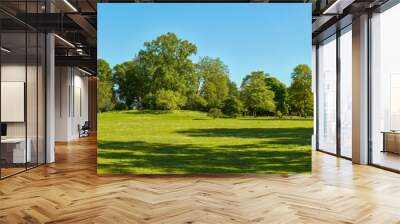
x,y
246,37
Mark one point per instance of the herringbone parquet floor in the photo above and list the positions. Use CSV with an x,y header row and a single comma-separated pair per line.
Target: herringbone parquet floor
x,y
69,191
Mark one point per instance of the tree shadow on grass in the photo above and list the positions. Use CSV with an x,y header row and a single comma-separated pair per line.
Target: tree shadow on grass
x,y
159,158
152,112
275,119
282,136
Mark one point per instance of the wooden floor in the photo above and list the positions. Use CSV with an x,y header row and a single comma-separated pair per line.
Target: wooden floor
x,y
387,159
5,172
69,191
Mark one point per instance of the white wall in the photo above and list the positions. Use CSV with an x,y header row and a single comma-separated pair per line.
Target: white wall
x,y
71,94
79,110
62,82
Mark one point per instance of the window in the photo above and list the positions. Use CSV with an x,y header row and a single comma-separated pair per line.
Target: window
x,y
327,95
346,92
23,89
385,89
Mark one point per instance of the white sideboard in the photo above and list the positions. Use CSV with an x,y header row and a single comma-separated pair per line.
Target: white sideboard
x,y
19,153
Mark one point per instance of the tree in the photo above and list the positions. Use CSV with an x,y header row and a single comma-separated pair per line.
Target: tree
x,y
233,89
255,94
119,79
165,63
281,94
233,106
103,70
300,92
214,76
104,96
129,84
168,100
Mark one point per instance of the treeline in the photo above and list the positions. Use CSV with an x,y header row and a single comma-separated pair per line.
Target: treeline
x,y
163,76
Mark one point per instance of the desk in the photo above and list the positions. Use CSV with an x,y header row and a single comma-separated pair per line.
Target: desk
x,y
391,141
17,150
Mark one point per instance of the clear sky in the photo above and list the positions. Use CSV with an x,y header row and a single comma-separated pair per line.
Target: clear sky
x,y
246,37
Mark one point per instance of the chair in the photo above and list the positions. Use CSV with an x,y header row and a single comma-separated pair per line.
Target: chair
x,y
84,130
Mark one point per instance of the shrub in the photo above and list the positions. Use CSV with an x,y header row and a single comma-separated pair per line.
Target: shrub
x,y
149,101
215,113
168,100
196,102
120,106
279,114
233,107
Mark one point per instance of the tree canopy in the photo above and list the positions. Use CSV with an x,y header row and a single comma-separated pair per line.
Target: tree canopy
x,y
103,70
164,76
214,77
105,98
281,94
300,93
165,62
257,97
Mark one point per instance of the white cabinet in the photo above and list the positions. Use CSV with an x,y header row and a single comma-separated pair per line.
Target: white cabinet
x,y
19,155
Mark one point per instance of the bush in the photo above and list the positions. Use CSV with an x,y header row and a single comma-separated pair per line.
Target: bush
x,y
168,100
149,101
233,107
120,106
196,102
279,114
215,113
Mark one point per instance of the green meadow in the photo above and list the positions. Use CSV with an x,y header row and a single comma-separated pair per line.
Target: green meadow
x,y
190,142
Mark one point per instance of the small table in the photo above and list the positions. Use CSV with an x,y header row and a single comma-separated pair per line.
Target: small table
x,y
391,141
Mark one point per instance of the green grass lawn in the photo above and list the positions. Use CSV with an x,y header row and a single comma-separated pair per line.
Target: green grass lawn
x,y
188,142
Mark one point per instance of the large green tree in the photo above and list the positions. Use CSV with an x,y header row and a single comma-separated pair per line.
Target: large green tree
x,y
300,92
281,94
256,95
214,76
165,63
130,84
